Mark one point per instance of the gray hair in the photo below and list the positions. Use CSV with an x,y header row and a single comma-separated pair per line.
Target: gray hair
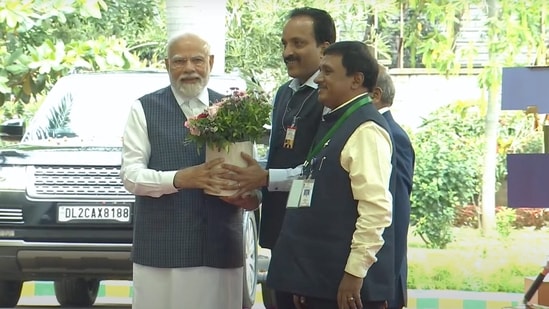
x,y
187,35
385,83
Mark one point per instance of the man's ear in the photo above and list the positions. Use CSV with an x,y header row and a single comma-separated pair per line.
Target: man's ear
x,y
358,80
376,94
211,61
167,64
323,46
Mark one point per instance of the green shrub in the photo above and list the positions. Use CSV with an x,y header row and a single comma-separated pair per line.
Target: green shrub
x,y
449,151
535,217
447,169
467,216
517,134
505,219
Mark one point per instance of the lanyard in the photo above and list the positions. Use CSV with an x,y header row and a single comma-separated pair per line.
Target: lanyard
x,y
355,105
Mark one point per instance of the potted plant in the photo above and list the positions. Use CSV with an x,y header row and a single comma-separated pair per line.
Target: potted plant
x,y
231,126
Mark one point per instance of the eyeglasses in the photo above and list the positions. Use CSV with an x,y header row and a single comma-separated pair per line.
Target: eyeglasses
x,y
178,63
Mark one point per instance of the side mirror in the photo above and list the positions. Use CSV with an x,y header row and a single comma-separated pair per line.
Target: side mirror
x,y
12,130
265,139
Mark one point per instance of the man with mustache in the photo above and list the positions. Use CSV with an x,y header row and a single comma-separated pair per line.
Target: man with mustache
x,y
336,246
295,119
187,246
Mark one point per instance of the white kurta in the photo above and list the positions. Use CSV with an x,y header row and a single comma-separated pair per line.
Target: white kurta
x,y
187,288
172,288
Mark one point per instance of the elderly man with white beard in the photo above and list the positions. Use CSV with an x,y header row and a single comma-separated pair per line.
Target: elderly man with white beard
x,y
187,246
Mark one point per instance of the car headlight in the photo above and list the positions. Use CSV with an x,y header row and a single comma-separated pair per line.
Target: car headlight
x,y
13,178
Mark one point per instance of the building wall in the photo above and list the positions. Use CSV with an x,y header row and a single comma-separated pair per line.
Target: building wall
x,y
419,92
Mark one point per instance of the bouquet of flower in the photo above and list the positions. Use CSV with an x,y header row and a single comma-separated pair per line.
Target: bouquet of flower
x,y
240,117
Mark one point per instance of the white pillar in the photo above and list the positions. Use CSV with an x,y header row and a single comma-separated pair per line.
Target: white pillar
x,y
204,17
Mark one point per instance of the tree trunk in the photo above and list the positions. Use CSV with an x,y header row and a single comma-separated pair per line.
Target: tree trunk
x,y
490,159
206,18
490,151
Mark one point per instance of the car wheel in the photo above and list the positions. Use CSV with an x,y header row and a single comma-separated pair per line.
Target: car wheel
x,y
250,259
269,299
76,292
10,291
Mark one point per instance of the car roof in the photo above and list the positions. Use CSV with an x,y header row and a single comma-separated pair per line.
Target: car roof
x,y
141,82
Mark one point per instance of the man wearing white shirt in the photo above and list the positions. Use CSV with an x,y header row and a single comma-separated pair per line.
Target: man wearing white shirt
x,y
336,245
187,246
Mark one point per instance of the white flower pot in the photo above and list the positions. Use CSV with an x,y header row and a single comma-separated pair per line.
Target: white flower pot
x,y
232,156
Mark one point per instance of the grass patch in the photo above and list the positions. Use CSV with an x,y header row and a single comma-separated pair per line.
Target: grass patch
x,y
477,263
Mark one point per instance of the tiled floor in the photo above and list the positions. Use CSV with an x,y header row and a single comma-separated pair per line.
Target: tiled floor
x,y
121,291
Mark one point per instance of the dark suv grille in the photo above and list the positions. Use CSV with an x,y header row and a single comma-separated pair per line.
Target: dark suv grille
x,y
76,181
8,215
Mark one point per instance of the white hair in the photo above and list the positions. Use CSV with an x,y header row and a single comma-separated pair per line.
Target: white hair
x,y
184,35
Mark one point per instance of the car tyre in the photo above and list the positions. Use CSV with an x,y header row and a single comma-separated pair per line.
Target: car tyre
x,y
10,292
250,259
76,292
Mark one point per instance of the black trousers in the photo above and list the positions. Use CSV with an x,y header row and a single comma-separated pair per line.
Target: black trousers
x,y
286,301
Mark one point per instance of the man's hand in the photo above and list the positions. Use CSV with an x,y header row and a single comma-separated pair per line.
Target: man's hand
x,y
348,294
300,302
204,176
248,201
244,179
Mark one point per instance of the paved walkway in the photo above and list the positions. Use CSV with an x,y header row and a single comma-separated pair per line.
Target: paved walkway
x,y
461,300
418,299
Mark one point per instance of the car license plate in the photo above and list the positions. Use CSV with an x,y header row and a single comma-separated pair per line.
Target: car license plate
x,y
112,213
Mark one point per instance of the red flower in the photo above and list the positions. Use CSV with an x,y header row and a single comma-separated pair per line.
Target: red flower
x,y
202,116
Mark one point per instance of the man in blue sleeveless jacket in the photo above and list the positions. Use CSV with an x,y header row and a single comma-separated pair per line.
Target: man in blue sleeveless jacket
x,y
382,97
336,246
187,246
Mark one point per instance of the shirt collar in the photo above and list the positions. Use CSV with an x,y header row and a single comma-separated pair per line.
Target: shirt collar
x,y
351,100
203,97
295,86
383,110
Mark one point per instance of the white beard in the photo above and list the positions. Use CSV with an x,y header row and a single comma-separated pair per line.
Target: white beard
x,y
190,91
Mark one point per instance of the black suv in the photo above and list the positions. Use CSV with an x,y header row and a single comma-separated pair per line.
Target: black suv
x,y
64,213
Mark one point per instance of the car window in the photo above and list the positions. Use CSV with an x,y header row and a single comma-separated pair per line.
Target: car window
x,y
93,108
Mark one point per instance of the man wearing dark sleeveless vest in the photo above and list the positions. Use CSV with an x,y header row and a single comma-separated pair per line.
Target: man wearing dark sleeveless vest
x,y
336,246
187,246
295,119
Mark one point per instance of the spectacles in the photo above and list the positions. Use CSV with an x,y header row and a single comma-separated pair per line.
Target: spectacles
x,y
178,63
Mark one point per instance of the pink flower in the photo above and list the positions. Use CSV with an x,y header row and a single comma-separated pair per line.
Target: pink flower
x,y
214,126
194,131
238,95
212,110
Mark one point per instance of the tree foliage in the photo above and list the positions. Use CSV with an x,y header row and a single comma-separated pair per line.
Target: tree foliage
x,y
515,36
41,40
449,149
447,169
254,31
